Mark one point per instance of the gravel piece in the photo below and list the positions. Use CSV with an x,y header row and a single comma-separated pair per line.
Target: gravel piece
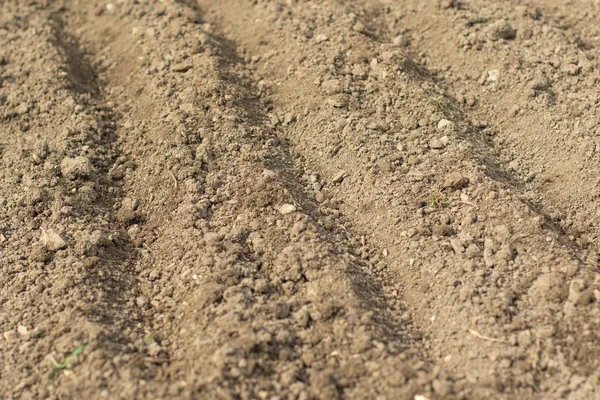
x,y
287,209
54,241
339,177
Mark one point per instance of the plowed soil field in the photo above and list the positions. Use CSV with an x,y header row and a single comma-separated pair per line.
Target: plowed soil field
x,y
299,199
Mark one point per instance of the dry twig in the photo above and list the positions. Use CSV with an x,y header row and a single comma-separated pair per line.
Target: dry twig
x,y
482,337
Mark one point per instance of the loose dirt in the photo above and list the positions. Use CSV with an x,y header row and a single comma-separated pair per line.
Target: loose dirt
x,y
299,199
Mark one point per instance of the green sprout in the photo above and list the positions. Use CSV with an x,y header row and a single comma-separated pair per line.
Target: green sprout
x,y
438,200
67,360
148,339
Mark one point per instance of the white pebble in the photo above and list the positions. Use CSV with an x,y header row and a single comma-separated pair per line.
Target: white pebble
x,y
287,209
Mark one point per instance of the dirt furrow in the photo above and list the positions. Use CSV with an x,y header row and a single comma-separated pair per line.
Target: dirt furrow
x,y
530,80
66,281
379,133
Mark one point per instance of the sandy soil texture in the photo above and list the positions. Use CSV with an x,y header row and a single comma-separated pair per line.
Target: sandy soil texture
x,y
299,199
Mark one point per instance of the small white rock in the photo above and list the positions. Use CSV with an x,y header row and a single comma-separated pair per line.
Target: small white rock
x,y
22,329
399,41
321,38
493,75
9,336
436,144
53,240
445,123
339,177
268,174
287,209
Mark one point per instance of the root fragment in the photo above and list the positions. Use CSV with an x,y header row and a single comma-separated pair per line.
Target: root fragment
x,y
482,337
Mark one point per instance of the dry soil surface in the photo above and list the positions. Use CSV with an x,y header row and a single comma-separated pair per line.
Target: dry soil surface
x,y
299,199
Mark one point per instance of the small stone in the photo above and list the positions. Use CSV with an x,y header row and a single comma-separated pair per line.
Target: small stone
x,y
339,177
319,197
436,144
54,241
445,124
287,209
321,38
23,331
514,165
457,246
10,336
399,41
76,167
22,108
492,75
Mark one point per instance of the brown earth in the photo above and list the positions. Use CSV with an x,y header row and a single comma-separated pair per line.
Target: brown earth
x,y
299,199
